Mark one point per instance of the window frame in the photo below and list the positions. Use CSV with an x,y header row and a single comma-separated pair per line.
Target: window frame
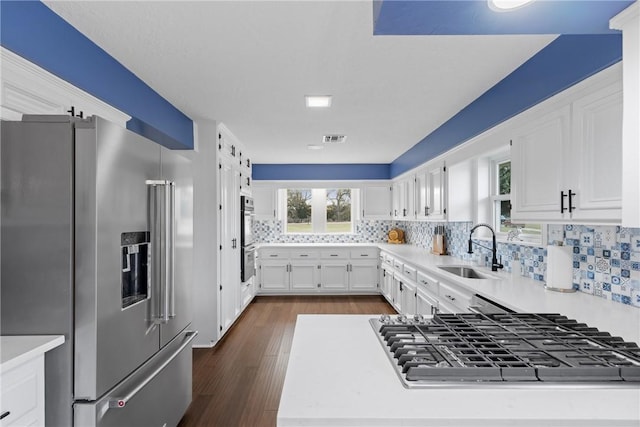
x,y
496,198
318,207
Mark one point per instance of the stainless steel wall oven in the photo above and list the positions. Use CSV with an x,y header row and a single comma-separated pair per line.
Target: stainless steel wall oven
x,y
247,260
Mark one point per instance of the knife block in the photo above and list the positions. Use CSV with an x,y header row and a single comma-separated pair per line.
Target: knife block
x,y
438,246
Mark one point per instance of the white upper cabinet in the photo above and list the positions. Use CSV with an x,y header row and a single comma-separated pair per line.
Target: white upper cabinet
x,y
567,165
264,202
538,157
460,195
430,187
376,201
597,147
404,198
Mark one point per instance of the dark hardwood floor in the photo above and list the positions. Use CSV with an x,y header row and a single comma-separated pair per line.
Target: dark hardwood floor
x,y
239,381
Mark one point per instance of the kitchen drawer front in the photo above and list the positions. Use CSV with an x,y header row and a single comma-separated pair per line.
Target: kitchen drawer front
x,y
398,265
23,394
304,254
334,254
428,283
364,253
409,272
453,295
266,254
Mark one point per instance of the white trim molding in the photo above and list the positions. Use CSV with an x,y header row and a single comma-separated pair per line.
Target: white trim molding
x,y
26,88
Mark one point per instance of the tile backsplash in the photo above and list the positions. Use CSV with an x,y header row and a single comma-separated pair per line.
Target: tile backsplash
x,y
606,259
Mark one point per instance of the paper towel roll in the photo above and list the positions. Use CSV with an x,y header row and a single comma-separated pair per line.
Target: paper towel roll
x,y
559,268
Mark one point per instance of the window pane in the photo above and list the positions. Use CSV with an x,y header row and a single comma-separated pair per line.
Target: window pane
x,y
299,211
504,213
504,178
338,210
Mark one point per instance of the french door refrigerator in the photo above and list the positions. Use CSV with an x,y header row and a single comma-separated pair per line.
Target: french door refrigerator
x,y
96,245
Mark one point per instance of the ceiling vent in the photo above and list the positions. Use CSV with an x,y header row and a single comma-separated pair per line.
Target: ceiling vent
x,y
334,139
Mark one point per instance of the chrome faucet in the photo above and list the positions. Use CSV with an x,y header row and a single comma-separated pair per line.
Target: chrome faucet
x,y
495,265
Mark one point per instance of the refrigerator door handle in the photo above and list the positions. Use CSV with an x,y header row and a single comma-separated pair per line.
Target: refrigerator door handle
x,y
121,402
161,218
171,254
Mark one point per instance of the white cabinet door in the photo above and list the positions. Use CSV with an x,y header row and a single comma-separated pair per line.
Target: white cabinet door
x,y
264,202
422,193
408,298
398,200
334,276
230,289
363,275
436,186
376,201
396,293
596,177
425,304
538,161
386,284
460,195
274,276
404,207
304,276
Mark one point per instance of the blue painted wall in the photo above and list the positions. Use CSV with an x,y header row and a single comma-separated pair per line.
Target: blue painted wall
x,y
469,17
286,172
563,63
33,31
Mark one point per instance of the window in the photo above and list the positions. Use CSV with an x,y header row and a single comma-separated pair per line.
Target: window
x,y
501,196
320,210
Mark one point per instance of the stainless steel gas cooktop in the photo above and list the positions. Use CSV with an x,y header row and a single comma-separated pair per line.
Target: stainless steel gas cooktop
x,y
505,349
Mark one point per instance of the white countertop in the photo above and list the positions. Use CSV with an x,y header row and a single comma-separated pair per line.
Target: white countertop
x,y
513,291
529,296
17,349
339,375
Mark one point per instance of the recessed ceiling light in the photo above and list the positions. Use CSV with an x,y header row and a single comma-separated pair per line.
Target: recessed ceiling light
x,y
505,5
321,101
314,147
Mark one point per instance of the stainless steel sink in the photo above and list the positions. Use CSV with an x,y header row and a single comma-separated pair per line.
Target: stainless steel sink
x,y
466,272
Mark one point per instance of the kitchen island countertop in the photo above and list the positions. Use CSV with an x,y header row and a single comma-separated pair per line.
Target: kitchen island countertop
x,y
339,375
17,349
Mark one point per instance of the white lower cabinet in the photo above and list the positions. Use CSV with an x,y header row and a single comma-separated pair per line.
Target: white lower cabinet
x,y
426,304
334,275
363,275
330,270
409,297
22,393
274,276
304,276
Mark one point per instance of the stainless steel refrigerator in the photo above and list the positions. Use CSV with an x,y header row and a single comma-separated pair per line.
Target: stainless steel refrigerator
x,y
97,241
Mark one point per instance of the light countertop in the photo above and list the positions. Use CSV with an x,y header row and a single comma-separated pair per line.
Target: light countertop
x,y
527,295
516,292
17,349
339,375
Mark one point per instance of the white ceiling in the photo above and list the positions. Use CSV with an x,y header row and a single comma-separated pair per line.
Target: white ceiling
x,y
249,64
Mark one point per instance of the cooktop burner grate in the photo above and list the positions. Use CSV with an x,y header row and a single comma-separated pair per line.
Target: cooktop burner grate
x,y
505,347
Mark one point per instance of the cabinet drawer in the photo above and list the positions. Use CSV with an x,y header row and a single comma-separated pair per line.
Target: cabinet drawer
x,y
303,254
364,253
398,265
272,254
453,295
428,283
409,272
334,254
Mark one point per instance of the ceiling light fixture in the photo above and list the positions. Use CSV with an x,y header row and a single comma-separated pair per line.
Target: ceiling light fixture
x,y
317,101
315,147
507,5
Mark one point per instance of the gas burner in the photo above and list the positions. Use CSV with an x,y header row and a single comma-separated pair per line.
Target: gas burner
x,y
505,348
